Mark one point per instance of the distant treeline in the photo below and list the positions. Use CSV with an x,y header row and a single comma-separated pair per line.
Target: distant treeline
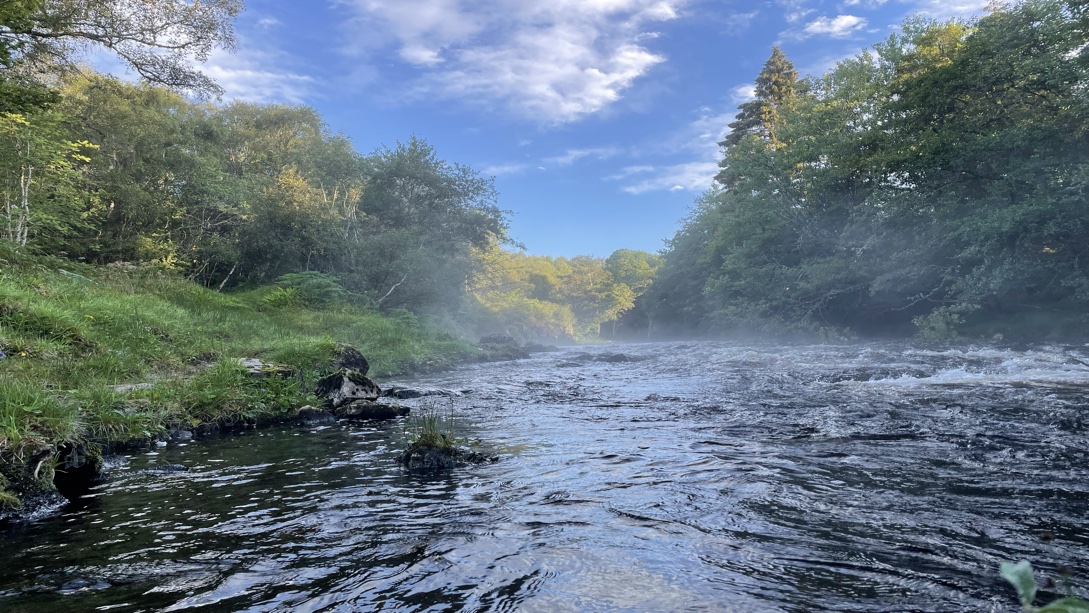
x,y
938,184
243,194
100,170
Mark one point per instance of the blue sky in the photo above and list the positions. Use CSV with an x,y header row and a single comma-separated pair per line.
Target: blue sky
x,y
598,118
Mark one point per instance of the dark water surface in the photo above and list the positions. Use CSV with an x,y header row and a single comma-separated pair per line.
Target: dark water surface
x,y
705,477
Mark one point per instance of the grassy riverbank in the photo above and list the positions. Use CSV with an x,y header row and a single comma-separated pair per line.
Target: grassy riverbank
x,y
73,335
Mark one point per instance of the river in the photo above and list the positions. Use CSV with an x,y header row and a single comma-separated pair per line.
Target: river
x,y
701,476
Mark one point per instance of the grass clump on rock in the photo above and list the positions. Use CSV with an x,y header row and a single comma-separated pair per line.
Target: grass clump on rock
x,y
431,442
433,446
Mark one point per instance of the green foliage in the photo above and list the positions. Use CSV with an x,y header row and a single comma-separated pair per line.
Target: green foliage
x,y
432,429
31,417
936,185
159,41
544,298
761,117
942,323
1021,576
70,336
283,298
313,288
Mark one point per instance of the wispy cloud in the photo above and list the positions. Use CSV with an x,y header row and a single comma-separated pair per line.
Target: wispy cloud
x,y
948,9
798,15
499,170
743,93
257,76
553,62
698,142
573,155
690,176
870,4
841,26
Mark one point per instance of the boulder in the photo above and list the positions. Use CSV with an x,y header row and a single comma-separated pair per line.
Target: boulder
x,y
366,409
425,458
616,358
313,416
499,353
345,386
349,357
497,339
539,348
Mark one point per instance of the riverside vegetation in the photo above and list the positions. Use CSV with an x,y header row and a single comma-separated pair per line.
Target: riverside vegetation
x,y
936,185
72,336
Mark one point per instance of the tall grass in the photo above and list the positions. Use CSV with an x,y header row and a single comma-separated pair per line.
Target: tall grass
x,y
70,333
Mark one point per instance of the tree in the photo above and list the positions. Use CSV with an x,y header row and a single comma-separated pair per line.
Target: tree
x,y
776,85
156,38
425,219
39,173
18,92
939,182
636,269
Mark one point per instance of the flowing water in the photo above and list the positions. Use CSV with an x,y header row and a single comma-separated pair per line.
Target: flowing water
x,y
694,477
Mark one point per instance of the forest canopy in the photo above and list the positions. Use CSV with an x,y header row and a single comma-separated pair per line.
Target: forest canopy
x,y
938,183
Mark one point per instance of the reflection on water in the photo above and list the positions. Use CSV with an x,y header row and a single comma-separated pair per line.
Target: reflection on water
x,y
707,477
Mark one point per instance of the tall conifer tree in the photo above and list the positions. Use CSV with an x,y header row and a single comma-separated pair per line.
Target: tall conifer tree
x,y
775,86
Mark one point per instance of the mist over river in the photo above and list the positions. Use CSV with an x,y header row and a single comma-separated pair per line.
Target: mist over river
x,y
697,476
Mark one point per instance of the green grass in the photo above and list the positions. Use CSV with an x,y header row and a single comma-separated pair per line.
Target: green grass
x,y
70,332
431,429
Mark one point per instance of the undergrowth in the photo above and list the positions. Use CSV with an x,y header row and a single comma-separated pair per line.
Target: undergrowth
x,y
431,428
115,354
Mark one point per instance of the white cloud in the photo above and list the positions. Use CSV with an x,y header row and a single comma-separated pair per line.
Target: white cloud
x,y
840,27
870,4
266,23
948,9
257,76
554,62
698,141
692,176
737,23
499,170
743,93
573,155
796,16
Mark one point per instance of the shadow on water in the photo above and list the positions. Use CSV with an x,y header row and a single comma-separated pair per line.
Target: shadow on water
x,y
697,476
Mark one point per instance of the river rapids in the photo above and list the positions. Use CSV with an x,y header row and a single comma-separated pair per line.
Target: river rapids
x,y
696,476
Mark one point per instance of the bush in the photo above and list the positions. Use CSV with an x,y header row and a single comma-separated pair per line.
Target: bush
x,y
313,288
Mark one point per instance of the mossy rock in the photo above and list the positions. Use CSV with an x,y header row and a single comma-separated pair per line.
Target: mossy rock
x,y
26,482
345,386
366,409
351,358
430,458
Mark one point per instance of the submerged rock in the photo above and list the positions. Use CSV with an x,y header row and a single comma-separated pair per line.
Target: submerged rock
x,y
404,393
345,386
499,353
539,348
428,458
181,436
313,416
78,468
366,409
